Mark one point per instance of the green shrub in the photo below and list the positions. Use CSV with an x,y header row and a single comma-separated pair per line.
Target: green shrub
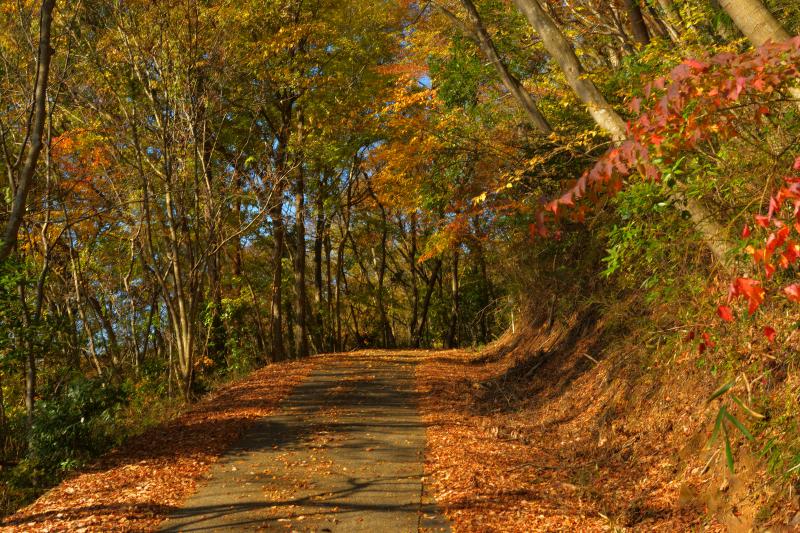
x,y
73,426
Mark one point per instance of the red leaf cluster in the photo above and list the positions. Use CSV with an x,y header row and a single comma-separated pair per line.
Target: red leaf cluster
x,y
666,129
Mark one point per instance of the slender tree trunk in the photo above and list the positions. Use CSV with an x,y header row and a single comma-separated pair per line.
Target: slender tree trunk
x,y
758,25
452,334
673,23
290,327
3,424
301,299
341,280
329,338
478,32
35,132
301,295
319,237
412,266
387,336
427,302
486,297
276,307
562,52
338,294
30,358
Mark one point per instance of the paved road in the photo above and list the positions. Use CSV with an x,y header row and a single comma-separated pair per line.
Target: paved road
x,y
344,454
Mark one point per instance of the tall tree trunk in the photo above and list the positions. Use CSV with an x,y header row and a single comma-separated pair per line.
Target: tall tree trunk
x,y
412,266
338,293
387,336
758,25
426,302
301,295
35,132
4,434
477,31
30,358
452,334
319,237
329,337
638,27
562,52
301,300
276,307
672,20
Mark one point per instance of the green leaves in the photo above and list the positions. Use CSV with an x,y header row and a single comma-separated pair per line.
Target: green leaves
x,y
726,418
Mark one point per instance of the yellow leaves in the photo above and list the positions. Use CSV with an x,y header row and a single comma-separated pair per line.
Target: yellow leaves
x,y
405,99
479,199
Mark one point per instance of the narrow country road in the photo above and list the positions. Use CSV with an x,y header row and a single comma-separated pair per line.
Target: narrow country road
x,y
345,453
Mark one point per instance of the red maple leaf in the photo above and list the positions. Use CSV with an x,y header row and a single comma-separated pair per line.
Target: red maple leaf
x,y
725,313
750,289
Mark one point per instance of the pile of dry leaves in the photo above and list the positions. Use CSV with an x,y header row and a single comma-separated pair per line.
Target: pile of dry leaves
x,y
137,486
537,439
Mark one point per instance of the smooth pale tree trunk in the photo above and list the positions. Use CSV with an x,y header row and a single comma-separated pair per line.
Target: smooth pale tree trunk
x,y
35,132
477,31
608,119
562,52
758,25
754,20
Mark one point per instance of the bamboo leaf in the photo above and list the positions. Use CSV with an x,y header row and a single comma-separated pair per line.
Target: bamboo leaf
x,y
722,390
728,451
739,426
747,409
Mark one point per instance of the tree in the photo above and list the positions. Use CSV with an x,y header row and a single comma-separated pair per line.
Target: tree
x,y
21,169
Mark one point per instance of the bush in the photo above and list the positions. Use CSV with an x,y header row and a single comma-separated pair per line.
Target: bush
x,y
73,426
